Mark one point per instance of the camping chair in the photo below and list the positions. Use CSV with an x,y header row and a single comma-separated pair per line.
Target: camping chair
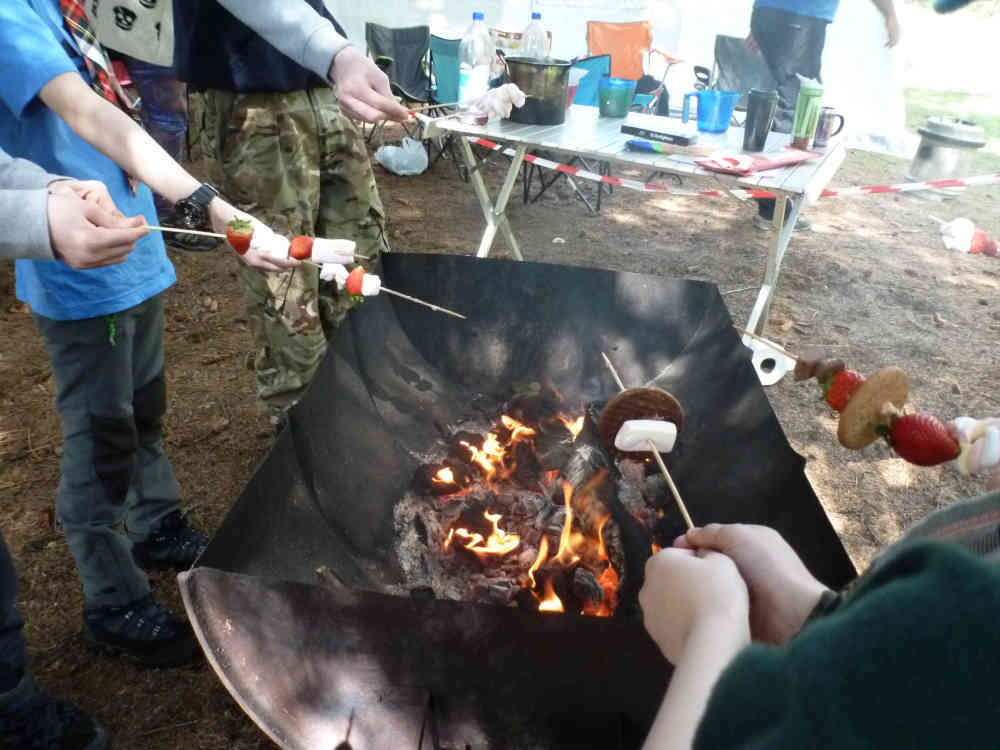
x,y
735,68
631,48
444,91
597,66
402,55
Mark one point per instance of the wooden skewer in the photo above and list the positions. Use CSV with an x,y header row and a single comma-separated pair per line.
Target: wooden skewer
x,y
761,339
424,303
431,305
222,237
185,231
656,454
422,107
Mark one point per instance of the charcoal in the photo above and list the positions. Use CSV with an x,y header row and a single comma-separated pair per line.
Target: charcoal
x,y
532,407
422,593
585,587
530,505
526,600
527,471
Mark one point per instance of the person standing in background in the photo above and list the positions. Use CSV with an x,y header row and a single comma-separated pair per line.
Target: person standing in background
x,y
273,87
790,35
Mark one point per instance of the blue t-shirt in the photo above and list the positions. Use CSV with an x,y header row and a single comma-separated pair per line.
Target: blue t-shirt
x,y
35,47
825,9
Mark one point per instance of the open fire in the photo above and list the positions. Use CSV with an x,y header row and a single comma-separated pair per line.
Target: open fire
x,y
520,514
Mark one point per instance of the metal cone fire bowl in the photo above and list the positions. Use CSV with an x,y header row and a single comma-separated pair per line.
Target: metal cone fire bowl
x,y
302,604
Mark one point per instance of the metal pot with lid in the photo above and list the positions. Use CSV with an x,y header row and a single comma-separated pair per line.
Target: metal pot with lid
x,y
945,143
544,83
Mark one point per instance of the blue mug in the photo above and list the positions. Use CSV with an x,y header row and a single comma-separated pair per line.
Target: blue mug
x,y
715,109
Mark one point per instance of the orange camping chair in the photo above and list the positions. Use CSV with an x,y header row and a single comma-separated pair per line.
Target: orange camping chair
x,y
627,43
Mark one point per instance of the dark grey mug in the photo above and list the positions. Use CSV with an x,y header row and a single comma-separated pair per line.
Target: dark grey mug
x,y
761,106
824,130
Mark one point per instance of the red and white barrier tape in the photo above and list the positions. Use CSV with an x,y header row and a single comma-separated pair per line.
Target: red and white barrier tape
x,y
651,187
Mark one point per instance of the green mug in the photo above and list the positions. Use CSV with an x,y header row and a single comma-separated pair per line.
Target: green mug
x,y
807,111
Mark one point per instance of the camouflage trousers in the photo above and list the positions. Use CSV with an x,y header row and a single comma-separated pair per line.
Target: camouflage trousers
x,y
298,164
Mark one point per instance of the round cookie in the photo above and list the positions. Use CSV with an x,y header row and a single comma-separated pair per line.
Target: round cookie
x,y
863,412
638,403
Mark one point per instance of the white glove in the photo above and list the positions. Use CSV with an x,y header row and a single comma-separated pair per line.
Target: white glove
x,y
334,272
370,285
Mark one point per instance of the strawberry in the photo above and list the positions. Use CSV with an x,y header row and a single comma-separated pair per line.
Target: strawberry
x,y
239,232
979,242
353,283
840,386
301,247
922,440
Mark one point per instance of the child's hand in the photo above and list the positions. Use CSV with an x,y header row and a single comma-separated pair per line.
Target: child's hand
x,y
685,591
782,591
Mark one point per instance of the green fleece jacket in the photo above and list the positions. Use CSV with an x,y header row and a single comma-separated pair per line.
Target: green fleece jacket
x,y
910,659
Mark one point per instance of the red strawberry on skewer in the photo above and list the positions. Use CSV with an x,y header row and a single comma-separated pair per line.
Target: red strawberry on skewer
x,y
922,440
840,386
239,232
301,247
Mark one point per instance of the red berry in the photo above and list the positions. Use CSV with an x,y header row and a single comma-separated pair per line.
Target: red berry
x,y
301,247
841,387
922,440
239,232
353,283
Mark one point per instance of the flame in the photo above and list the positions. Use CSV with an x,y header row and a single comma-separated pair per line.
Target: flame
x,y
609,582
499,541
543,551
567,539
573,425
550,602
444,476
518,431
656,548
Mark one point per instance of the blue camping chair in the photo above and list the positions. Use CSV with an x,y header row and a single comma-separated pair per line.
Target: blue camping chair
x,y
444,91
597,67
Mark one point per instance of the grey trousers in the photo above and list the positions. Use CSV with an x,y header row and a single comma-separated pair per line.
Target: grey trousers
x,y
111,401
13,655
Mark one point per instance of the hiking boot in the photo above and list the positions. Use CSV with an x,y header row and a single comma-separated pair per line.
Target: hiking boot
x,y
32,720
143,631
173,544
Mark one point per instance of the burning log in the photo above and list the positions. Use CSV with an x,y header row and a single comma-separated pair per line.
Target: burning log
x,y
586,588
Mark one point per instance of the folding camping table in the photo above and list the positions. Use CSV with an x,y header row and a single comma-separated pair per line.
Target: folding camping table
x,y
586,134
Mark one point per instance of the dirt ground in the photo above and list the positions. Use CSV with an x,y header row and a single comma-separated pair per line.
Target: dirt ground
x,y
871,282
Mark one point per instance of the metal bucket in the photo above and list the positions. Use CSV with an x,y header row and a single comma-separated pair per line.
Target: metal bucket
x,y
945,143
544,83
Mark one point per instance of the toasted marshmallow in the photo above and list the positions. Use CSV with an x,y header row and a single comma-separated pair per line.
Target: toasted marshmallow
x,y
334,272
370,285
635,434
333,251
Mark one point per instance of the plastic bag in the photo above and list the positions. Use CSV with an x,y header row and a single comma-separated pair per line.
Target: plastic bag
x,y
408,158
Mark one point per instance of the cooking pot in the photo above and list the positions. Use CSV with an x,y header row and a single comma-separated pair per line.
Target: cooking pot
x,y
545,84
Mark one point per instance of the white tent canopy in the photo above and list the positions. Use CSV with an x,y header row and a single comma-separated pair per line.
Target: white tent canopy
x,y
862,78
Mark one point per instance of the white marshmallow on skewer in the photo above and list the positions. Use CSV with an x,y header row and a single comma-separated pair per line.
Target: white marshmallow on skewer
x,y
333,251
273,246
334,272
634,434
370,285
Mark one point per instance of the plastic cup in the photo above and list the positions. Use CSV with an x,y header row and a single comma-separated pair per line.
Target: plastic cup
x,y
615,96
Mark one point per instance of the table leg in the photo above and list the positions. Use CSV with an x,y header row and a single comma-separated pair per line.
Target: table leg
x,y
496,217
786,213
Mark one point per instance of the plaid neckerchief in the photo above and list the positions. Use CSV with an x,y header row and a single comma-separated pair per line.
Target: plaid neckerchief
x,y
102,77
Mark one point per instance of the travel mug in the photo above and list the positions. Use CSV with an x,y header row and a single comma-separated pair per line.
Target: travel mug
x,y
824,130
761,106
806,113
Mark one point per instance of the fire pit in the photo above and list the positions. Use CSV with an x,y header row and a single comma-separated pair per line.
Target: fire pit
x,y
387,578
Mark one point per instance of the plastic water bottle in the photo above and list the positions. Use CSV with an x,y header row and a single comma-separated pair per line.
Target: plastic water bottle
x,y
534,40
475,56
